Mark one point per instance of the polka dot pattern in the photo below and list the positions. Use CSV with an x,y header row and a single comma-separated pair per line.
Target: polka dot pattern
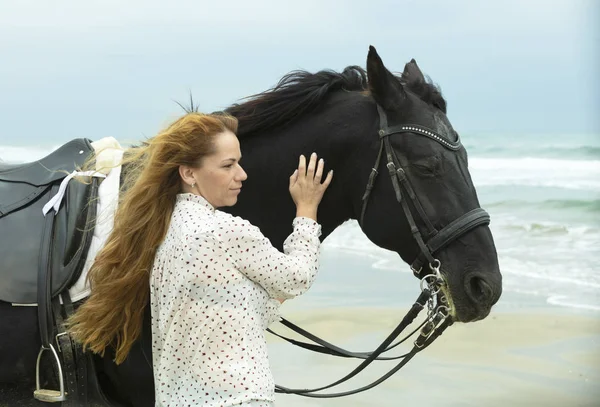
x,y
214,285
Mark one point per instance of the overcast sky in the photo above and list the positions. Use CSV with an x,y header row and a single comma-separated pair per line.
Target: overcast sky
x,y
75,68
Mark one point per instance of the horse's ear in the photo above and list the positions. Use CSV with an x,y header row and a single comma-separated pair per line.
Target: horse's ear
x,y
385,88
412,72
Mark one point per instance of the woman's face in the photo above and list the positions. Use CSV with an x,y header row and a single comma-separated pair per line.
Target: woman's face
x,y
220,176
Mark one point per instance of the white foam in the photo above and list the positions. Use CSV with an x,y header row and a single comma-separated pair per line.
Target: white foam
x,y
529,274
528,171
546,227
563,301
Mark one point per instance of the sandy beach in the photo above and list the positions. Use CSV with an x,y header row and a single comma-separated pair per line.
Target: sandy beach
x,y
509,359
526,353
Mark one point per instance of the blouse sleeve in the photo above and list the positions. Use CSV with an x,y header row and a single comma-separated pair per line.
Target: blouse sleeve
x,y
283,275
271,312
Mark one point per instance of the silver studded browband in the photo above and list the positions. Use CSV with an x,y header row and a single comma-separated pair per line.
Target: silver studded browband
x,y
423,131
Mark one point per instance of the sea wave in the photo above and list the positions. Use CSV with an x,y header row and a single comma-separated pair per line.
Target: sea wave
x,y
566,301
575,152
592,206
530,272
536,172
506,225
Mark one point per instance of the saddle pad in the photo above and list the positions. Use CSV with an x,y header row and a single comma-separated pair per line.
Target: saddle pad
x,y
109,155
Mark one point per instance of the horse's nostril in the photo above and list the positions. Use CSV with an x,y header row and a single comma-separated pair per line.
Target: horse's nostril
x,y
479,290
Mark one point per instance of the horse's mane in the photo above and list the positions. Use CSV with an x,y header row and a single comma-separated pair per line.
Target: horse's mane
x,y
295,94
299,92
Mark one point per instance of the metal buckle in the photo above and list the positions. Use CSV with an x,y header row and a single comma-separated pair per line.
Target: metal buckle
x,y
416,272
57,336
401,174
47,395
435,321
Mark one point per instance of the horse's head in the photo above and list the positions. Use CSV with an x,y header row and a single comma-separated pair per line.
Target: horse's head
x,y
426,189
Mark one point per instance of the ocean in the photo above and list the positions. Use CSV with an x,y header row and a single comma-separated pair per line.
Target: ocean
x,y
543,194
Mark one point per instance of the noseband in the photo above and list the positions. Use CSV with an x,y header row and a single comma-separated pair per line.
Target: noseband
x,y
432,282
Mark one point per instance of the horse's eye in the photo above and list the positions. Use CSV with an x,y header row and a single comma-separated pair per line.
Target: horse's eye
x,y
429,166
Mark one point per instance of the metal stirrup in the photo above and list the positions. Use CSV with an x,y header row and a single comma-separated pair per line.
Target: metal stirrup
x,y
47,395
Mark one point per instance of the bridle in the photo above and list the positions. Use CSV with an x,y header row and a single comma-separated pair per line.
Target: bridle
x,y
402,188
432,283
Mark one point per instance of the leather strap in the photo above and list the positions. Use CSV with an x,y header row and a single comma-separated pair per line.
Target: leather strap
x,y
45,277
409,317
65,351
370,185
458,227
451,232
50,315
421,343
80,357
330,349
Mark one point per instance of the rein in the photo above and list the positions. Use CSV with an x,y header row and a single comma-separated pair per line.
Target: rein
x,y
437,321
432,284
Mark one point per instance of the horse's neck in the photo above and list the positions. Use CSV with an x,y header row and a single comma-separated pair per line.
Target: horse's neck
x,y
338,133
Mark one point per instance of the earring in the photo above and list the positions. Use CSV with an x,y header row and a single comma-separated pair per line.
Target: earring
x,y
193,184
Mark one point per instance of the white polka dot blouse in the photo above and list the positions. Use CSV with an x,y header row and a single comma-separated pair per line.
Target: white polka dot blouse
x,y
213,291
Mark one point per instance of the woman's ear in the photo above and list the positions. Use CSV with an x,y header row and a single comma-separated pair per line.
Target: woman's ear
x,y
187,174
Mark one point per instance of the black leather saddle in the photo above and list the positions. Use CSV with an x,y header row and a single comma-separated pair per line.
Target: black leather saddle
x,y
24,190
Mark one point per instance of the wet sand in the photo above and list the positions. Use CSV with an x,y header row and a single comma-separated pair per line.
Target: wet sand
x,y
521,358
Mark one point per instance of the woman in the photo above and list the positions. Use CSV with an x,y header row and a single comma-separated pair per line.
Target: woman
x,y
213,280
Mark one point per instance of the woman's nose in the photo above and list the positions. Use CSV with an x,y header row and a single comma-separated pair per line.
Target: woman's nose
x,y
242,176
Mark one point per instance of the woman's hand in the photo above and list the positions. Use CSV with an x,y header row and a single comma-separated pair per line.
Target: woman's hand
x,y
306,187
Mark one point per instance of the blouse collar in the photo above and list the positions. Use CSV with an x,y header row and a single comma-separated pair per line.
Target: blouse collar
x,y
195,198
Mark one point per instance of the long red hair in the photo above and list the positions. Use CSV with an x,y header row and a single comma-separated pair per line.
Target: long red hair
x,y
120,275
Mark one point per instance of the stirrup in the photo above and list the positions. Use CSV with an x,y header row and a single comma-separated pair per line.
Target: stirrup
x,y
46,395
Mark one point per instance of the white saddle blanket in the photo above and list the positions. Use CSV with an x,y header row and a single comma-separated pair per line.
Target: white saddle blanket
x,y
108,157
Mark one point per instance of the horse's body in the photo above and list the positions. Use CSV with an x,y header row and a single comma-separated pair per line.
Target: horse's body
x,y
340,124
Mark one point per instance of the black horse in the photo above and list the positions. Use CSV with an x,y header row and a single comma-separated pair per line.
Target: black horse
x,y
339,116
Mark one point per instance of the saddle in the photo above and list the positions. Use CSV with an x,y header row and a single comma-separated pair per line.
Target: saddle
x,y
24,190
43,253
